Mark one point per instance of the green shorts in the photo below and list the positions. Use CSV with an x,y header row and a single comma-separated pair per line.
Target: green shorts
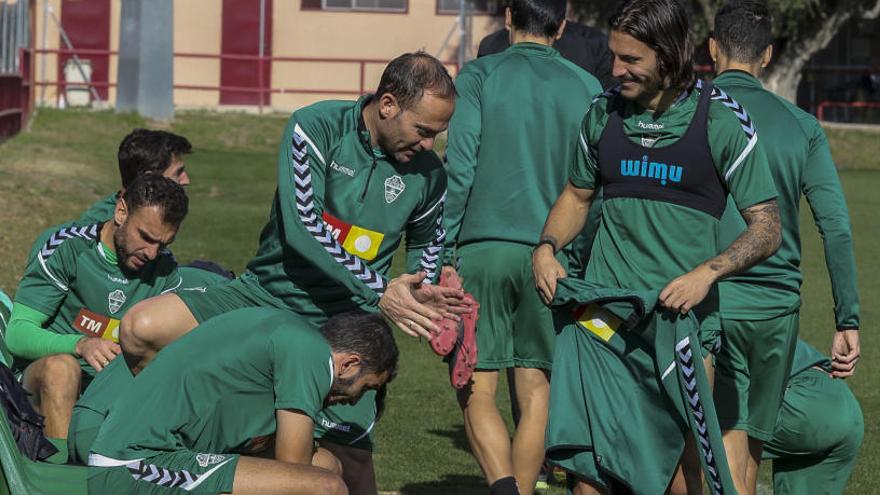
x,y
350,426
817,438
84,426
188,472
753,348
515,328
243,292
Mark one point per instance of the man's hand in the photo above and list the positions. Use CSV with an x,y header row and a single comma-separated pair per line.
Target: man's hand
x,y
547,271
448,301
448,271
399,304
97,351
688,290
845,353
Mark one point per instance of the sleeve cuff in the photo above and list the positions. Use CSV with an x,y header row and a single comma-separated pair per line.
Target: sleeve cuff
x,y
581,183
298,406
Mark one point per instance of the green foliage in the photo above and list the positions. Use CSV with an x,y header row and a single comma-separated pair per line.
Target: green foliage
x,y
793,19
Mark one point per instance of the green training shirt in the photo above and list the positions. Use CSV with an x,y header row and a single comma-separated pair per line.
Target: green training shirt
x,y
800,162
101,211
75,281
511,138
218,401
341,210
645,243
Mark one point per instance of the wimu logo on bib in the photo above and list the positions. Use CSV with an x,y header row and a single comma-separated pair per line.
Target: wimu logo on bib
x,y
663,172
361,242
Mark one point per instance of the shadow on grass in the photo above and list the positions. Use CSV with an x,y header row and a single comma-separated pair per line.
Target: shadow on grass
x,y
459,484
458,436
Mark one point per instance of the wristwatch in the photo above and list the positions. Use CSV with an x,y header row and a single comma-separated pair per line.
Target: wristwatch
x,y
545,241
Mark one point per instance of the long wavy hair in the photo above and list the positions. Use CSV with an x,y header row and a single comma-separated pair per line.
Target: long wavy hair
x,y
663,26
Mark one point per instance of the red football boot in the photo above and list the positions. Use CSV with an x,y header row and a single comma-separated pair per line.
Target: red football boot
x,y
443,342
463,359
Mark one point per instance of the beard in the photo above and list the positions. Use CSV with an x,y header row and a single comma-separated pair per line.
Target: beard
x,y
341,389
120,241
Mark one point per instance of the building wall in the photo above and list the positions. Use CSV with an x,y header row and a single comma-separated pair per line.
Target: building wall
x,y
197,30
344,50
45,66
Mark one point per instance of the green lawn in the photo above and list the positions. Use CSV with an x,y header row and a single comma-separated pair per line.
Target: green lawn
x,y
67,160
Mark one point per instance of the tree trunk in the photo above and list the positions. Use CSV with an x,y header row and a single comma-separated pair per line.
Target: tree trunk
x,y
785,73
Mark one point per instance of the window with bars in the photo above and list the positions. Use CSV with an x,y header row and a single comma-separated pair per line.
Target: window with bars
x,y
490,7
362,5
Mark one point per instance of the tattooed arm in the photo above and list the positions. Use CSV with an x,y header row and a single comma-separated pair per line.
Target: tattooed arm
x,y
760,240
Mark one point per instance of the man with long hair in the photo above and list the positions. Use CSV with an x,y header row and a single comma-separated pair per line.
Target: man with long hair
x,y
666,152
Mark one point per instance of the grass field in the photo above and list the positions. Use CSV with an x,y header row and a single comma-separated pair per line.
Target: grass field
x,y
67,161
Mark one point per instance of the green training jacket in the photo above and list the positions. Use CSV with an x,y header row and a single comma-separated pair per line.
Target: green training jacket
x,y
628,388
512,136
800,163
341,210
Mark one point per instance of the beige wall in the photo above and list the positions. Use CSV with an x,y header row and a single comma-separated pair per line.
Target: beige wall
x,y
197,26
355,35
377,37
45,65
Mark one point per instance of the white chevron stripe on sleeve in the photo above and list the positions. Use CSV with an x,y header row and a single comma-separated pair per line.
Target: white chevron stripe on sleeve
x,y
298,130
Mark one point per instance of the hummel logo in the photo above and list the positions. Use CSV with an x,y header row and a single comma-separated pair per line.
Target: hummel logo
x,y
335,426
117,279
650,126
198,289
341,168
206,460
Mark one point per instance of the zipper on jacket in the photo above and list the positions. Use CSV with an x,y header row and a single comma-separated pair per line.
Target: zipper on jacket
x,y
369,178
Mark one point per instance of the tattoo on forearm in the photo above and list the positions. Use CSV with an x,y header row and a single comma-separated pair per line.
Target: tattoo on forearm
x,y
760,240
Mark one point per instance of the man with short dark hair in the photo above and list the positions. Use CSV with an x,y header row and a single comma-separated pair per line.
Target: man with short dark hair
x,y
92,406
510,138
760,307
182,424
63,328
142,151
355,179
665,152
584,46
145,151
